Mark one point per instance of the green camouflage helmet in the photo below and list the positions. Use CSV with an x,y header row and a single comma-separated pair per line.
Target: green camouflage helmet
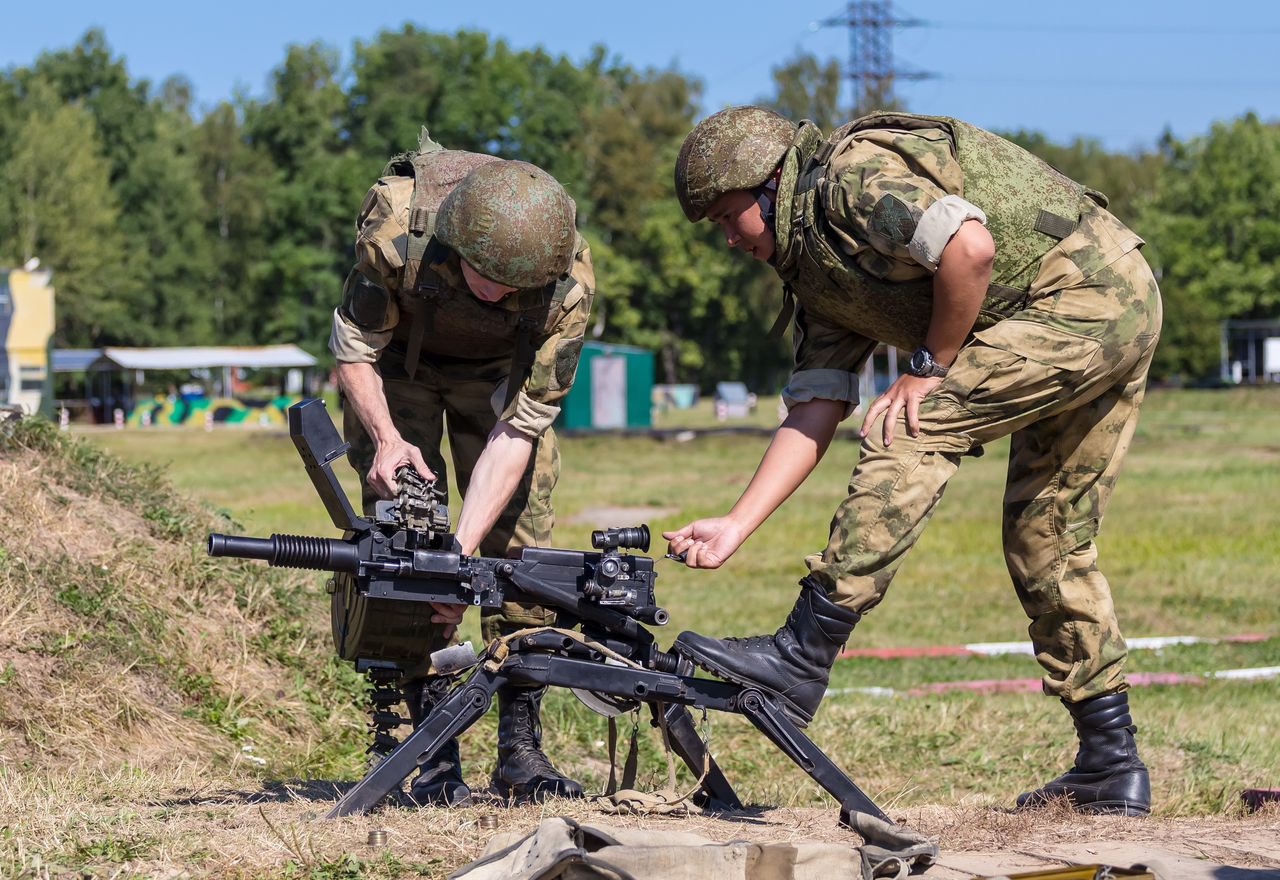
x,y
737,148
512,221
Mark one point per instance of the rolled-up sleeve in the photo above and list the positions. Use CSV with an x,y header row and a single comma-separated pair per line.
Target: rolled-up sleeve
x,y
352,344
937,224
555,364
827,362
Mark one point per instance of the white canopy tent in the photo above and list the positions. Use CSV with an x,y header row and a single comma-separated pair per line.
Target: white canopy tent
x,y
111,374
202,357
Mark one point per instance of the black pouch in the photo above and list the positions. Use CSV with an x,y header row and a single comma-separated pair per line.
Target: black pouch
x,y
365,302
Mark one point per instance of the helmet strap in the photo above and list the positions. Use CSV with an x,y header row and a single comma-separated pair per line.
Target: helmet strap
x,y
766,197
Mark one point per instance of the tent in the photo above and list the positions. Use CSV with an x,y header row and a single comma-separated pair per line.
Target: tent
x,y
104,392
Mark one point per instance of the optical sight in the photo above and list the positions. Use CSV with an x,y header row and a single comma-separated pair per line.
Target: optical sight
x,y
614,539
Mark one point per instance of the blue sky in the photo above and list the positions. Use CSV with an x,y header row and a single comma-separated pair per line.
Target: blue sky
x,y
1117,71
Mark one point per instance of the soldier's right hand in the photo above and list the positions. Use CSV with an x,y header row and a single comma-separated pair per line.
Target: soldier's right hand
x,y
388,458
705,543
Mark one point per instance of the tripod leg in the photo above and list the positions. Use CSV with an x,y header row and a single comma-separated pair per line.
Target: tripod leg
x,y
685,742
773,723
451,717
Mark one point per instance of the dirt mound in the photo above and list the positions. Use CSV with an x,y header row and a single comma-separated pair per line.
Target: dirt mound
x,y
121,642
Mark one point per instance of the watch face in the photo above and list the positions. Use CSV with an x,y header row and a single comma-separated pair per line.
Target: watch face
x,y
920,361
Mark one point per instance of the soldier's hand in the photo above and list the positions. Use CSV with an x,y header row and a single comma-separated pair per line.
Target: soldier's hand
x,y
904,394
706,543
388,458
448,613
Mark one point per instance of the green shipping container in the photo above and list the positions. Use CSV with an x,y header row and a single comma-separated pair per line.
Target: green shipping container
x,y
613,389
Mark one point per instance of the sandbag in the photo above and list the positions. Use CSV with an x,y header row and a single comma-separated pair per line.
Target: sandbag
x,y
565,849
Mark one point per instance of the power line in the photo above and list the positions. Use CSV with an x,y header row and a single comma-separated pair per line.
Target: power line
x,y
1126,30
1111,82
771,54
871,69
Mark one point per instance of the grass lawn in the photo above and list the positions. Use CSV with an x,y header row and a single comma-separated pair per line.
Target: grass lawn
x,y
1191,545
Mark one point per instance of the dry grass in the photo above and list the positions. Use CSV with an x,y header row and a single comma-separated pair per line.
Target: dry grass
x,y
134,672
64,700
123,645
193,820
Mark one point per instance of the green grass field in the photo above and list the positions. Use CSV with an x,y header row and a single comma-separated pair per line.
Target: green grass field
x,y
1191,545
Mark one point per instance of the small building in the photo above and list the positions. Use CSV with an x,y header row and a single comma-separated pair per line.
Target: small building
x,y
26,327
613,389
1250,351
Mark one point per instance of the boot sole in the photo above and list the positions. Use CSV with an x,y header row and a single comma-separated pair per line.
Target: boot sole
x,y
1113,808
507,793
443,803
797,716
1095,808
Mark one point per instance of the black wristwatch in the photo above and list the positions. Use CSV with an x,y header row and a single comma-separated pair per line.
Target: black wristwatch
x,y
923,365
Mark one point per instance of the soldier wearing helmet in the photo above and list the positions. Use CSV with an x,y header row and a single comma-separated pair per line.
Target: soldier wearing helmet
x,y
1030,313
464,315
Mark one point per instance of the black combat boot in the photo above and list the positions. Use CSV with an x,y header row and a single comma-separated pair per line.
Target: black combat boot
x,y
793,664
439,781
1108,776
524,772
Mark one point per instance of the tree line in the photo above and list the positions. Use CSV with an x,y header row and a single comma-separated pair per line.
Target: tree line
x,y
165,226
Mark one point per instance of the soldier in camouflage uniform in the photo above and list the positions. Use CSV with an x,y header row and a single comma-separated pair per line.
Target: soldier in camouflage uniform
x,y
464,316
1031,314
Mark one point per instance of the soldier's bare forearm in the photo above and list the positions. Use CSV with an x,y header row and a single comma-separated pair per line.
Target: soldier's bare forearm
x,y
964,271
797,447
362,386
494,481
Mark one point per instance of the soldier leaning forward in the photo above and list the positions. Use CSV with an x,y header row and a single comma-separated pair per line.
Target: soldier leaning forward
x,y
465,314
1031,313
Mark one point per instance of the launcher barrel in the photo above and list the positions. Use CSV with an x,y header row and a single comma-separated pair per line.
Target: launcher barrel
x,y
290,551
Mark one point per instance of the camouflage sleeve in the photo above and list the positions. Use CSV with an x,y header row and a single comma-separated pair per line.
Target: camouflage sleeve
x,y
555,363
363,321
827,362
894,201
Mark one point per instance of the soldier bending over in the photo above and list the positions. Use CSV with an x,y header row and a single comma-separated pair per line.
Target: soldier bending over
x,y
465,314
1031,314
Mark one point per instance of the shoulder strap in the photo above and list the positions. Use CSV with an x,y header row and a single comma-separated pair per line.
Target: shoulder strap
x,y
422,217
561,289
785,314
523,356
424,316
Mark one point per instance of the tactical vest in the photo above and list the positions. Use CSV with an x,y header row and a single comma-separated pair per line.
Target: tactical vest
x,y
1030,207
448,320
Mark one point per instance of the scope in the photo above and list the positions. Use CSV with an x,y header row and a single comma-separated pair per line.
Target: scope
x,y
636,537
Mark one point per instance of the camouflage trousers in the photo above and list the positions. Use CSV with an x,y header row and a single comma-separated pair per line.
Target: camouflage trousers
x,y
453,400
1064,379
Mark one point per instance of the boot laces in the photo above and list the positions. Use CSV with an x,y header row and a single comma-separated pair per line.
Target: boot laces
x,y
536,761
752,642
